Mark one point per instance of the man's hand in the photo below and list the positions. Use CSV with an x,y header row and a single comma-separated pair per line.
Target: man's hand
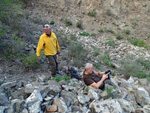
x,y
58,53
105,76
38,57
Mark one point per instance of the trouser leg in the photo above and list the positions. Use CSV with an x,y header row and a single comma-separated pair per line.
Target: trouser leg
x,y
55,58
52,63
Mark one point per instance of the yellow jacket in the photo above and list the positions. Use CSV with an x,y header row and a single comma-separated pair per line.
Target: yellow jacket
x,y
50,44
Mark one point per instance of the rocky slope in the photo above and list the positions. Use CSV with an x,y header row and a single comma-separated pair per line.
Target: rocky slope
x,y
33,92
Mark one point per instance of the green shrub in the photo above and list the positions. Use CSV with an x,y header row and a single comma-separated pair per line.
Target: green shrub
x,y
132,67
68,22
127,32
119,37
109,30
110,42
142,43
145,63
62,38
105,58
59,78
141,74
96,51
109,91
78,53
148,36
10,12
52,22
97,65
101,31
133,40
93,13
30,61
108,12
84,34
79,25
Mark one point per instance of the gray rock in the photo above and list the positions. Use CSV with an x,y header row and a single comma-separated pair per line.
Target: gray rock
x,y
146,109
8,85
3,100
44,90
17,106
110,106
35,107
126,105
34,97
76,108
55,88
19,94
69,97
41,78
3,108
29,88
142,96
93,95
69,88
83,99
62,107
143,82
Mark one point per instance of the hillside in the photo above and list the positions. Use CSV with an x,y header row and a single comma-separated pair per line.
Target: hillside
x,y
109,34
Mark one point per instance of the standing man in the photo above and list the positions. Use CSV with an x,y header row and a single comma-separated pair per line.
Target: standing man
x,y
49,42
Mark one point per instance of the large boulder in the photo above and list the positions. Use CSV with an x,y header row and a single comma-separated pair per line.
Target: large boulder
x,y
126,105
109,106
142,96
83,98
62,107
93,95
17,106
33,102
69,97
3,100
55,87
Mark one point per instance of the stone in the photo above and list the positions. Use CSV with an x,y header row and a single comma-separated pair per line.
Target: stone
x,y
35,107
130,80
3,108
104,94
29,88
93,95
83,99
61,106
146,109
143,82
34,97
76,108
41,78
17,106
69,97
108,106
142,96
53,108
3,100
126,105
8,85
68,88
19,94
44,90
55,87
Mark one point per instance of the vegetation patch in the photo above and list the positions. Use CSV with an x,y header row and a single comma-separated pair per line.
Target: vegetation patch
x,y
93,13
119,37
68,22
59,78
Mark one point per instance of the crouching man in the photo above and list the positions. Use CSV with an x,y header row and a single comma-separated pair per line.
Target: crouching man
x,y
95,79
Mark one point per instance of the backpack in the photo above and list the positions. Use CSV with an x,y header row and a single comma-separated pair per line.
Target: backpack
x,y
73,72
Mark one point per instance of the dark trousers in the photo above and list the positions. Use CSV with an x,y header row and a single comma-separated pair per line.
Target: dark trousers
x,y
53,64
